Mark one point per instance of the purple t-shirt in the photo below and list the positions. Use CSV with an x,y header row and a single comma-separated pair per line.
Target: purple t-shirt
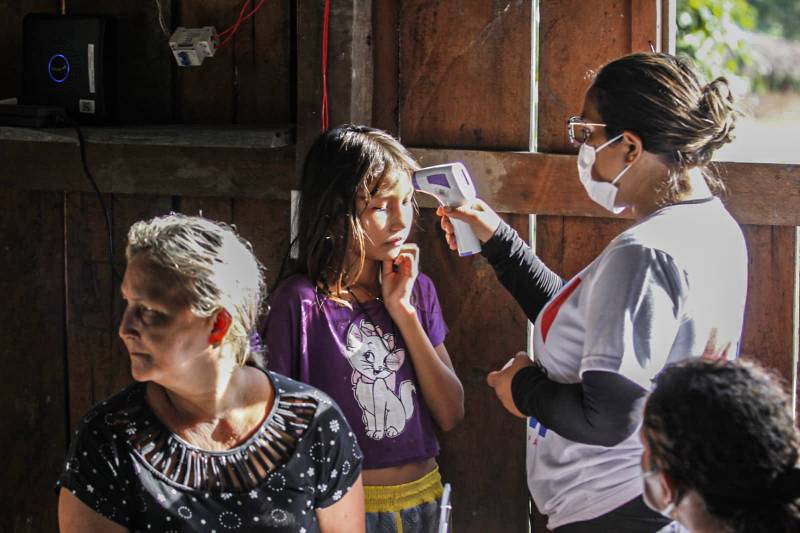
x,y
358,357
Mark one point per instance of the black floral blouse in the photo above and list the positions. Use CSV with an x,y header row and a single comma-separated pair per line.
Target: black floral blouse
x,y
126,465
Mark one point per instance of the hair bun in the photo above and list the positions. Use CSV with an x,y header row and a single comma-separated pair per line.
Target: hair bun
x,y
719,112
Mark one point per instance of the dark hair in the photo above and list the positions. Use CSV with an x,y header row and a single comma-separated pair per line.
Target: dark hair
x,y
662,99
725,430
343,162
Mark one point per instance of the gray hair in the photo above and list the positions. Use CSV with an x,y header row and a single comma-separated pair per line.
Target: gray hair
x,y
214,266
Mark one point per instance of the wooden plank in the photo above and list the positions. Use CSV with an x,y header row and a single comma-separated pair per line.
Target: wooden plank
x,y
219,209
769,329
265,62
575,38
265,224
142,169
512,182
465,74
645,16
669,25
465,71
206,94
349,67
386,60
32,367
309,81
89,300
249,80
517,182
487,445
193,136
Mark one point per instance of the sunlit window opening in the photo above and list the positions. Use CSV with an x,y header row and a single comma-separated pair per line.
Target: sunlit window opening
x,y
755,44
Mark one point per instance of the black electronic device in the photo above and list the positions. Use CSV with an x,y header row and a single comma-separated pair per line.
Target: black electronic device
x,y
69,62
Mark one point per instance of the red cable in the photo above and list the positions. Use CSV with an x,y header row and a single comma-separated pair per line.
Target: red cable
x,y
325,20
235,26
238,18
239,21
253,12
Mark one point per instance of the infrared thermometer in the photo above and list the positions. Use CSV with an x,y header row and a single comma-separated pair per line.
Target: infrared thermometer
x,y
452,187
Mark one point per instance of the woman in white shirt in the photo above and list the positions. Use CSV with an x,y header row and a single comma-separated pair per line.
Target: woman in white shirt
x,y
657,294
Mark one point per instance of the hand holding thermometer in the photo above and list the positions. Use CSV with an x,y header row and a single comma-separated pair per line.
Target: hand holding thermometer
x,y
452,187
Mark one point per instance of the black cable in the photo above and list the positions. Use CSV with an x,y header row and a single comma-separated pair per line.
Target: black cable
x,y
84,162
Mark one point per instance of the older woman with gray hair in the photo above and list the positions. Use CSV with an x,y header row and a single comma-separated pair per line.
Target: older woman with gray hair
x,y
202,439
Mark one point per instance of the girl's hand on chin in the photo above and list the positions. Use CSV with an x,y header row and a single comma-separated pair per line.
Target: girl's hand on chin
x,y
397,281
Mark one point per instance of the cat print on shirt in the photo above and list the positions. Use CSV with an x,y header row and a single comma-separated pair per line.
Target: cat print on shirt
x,y
375,361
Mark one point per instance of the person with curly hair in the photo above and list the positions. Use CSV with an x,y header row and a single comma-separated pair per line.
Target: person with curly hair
x,y
721,449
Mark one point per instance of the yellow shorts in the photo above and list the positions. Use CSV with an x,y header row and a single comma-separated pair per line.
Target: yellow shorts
x,y
406,508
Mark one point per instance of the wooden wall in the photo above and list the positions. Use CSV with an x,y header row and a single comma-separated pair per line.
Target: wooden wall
x,y
33,361
453,79
464,82
62,353
249,81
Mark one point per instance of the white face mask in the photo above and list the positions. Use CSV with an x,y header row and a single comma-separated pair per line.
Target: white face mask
x,y
667,511
604,193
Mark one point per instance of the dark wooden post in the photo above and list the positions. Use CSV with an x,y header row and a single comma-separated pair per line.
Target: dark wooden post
x,y
349,67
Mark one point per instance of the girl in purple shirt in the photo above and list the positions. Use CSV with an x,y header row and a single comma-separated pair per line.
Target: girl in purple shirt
x,y
358,321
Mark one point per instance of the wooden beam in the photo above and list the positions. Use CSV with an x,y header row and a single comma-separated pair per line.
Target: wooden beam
x,y
386,59
522,182
349,67
512,182
464,80
150,169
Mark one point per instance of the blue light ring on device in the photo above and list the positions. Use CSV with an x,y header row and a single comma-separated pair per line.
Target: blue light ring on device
x,y
50,68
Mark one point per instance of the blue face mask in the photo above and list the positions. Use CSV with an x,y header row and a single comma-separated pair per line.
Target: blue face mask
x,y
603,193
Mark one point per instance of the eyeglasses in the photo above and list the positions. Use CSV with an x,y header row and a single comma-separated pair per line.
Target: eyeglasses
x,y
579,131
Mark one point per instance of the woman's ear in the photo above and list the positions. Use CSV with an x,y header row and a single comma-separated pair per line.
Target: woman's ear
x,y
222,324
633,145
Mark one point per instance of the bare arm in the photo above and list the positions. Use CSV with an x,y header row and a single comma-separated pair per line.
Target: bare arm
x,y
440,386
346,515
74,516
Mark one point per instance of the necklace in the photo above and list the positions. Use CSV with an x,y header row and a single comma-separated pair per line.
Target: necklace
x,y
370,294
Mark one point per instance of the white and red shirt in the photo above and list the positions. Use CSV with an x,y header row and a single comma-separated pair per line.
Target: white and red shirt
x,y
654,296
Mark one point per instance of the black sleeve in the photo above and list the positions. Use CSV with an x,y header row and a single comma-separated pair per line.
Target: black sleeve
x,y
523,274
603,410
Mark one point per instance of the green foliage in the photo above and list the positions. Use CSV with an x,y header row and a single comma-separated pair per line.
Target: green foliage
x,y
778,17
712,33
